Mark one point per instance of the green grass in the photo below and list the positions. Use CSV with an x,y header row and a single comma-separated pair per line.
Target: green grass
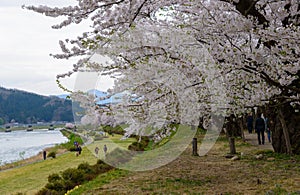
x,y
30,178
97,183
184,177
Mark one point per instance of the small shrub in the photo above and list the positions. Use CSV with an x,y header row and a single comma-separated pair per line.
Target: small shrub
x,y
139,146
136,146
102,168
54,177
113,130
51,154
45,191
86,168
72,149
59,185
74,175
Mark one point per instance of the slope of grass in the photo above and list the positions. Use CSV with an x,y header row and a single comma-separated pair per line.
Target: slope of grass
x,y
32,177
93,186
209,174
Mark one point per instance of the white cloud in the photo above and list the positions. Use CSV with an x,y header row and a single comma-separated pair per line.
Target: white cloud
x,y
26,40
17,3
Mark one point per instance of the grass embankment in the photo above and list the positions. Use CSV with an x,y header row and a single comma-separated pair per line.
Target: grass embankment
x,y
30,175
30,178
209,174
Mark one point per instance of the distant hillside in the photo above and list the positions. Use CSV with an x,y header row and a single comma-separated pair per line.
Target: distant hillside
x,y
25,107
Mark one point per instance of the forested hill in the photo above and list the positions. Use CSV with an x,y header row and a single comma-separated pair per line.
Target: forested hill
x,y
25,107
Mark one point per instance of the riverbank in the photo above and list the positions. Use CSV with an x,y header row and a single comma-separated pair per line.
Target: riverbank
x,y
19,145
33,176
58,149
33,159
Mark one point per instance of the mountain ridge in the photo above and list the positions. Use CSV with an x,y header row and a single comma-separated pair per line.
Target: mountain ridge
x,y
27,107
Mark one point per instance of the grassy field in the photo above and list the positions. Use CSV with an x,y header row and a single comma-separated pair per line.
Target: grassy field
x,y
209,174
30,178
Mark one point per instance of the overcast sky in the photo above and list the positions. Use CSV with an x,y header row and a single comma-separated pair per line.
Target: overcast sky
x,y
26,40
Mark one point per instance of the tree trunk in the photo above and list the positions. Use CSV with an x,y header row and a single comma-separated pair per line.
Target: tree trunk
x,y
242,128
285,132
195,148
232,145
285,125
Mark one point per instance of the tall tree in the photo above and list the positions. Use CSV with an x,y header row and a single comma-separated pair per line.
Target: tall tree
x,y
185,57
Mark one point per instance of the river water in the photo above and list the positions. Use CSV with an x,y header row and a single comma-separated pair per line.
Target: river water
x,y
21,144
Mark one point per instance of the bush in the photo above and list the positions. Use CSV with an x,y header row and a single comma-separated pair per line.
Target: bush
x,y
54,177
101,167
51,154
136,146
58,186
72,177
139,146
72,148
114,130
86,167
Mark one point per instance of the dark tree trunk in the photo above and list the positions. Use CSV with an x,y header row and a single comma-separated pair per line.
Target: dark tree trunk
x,y
195,148
233,129
285,131
232,145
291,117
241,127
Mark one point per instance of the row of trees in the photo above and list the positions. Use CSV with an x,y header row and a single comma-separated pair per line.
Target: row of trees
x,y
182,61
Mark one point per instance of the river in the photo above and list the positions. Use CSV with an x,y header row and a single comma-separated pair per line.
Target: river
x,y
21,144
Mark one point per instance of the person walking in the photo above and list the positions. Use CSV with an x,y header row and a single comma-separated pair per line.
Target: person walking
x,y
79,149
260,129
96,150
105,149
267,126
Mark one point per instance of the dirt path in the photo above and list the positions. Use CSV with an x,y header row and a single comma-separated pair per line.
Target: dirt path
x,y
252,139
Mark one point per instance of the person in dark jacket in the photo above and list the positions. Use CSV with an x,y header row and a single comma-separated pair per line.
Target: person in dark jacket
x,y
260,129
44,154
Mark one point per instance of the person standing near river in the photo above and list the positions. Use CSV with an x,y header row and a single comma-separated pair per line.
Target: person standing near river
x,y
44,154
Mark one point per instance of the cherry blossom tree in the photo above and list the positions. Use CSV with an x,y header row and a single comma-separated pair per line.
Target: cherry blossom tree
x,y
223,57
